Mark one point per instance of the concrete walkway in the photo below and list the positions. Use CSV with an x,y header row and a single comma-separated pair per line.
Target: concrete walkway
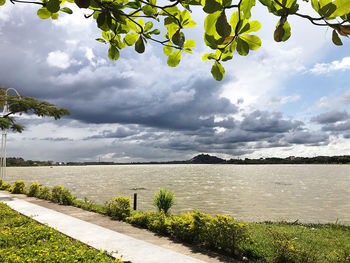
x,y
122,246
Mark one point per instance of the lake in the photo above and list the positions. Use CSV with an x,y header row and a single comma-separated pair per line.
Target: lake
x,y
309,193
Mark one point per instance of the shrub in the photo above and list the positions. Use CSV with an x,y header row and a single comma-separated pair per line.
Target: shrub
x,y
19,187
159,223
119,208
182,227
45,193
62,196
285,251
140,219
164,200
1,182
67,197
56,193
34,189
6,186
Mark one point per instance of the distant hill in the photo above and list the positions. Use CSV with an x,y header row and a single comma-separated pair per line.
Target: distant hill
x,y
206,159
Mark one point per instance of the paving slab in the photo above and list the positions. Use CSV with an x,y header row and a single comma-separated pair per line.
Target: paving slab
x,y
119,245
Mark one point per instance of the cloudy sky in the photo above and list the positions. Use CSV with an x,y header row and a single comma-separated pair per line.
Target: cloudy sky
x,y
283,99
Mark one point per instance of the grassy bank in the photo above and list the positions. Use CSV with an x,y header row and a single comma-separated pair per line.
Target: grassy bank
x,y
24,240
258,242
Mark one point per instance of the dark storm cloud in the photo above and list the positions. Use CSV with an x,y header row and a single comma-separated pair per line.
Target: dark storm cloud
x,y
331,117
313,138
262,121
337,127
120,132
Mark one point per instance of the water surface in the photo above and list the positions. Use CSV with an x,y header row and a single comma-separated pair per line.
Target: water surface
x,y
310,193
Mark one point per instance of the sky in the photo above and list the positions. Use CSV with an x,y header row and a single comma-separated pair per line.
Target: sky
x,y
284,99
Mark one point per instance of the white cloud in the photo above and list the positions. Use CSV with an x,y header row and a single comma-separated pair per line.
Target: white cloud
x,y
336,65
58,59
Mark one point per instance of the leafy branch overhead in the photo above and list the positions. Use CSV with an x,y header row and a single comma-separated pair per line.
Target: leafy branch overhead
x,y
228,25
18,104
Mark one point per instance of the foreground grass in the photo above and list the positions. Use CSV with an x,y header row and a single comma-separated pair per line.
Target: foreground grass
x,y
286,242
24,240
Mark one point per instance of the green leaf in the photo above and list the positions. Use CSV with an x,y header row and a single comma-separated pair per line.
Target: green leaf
x,y
82,3
234,22
171,25
113,53
315,5
210,22
343,8
154,32
327,10
336,39
2,2
66,10
209,56
130,38
189,43
43,13
101,40
218,71
242,47
174,58
178,38
53,6
54,16
140,46
222,26
212,6
168,49
253,41
148,26
254,26
107,35
282,33
246,6
149,10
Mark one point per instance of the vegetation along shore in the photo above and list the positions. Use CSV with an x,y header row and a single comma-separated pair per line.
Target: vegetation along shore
x,y
274,242
199,159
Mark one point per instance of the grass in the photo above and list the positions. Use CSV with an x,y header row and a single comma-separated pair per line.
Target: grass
x,y
24,240
324,243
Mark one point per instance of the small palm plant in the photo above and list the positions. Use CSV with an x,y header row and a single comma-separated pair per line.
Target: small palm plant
x,y
164,200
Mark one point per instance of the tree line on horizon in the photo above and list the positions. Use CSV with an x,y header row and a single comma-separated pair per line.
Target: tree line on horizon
x,y
198,159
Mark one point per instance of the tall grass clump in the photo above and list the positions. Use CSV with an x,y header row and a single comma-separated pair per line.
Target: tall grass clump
x,y
164,200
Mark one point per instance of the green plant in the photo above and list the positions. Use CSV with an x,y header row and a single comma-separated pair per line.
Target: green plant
x,y
45,193
182,227
6,186
62,196
164,200
139,218
159,223
34,189
286,251
19,187
119,207
24,240
1,182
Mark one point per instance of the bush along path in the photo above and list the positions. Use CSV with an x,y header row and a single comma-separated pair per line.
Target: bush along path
x,y
254,242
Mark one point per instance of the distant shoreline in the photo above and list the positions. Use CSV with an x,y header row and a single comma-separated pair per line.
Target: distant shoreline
x,y
199,159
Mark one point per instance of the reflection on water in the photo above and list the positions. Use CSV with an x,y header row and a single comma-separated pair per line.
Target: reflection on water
x,y
310,193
